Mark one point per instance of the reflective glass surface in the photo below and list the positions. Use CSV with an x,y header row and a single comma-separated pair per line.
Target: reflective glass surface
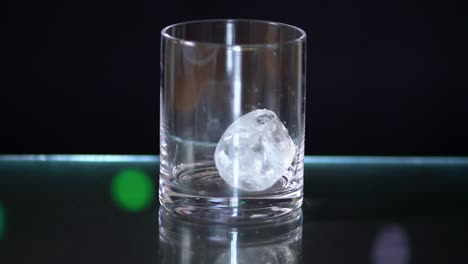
x,y
104,209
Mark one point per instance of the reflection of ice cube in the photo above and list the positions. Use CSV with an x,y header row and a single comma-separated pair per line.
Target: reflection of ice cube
x,y
256,255
254,151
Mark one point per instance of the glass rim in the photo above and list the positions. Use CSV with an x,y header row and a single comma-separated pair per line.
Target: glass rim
x,y
185,42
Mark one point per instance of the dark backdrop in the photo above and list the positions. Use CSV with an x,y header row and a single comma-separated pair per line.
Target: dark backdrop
x,y
383,77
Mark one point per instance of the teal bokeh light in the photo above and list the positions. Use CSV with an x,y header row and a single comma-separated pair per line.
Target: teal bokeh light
x,y
132,190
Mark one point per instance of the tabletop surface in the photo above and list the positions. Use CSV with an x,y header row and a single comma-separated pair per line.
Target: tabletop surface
x,y
73,209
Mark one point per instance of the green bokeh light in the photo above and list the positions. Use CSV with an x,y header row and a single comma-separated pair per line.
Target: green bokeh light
x,y
132,190
2,221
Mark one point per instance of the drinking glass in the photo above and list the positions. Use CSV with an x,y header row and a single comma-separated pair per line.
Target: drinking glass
x,y
232,119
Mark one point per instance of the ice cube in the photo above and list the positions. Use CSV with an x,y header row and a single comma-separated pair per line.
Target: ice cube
x,y
254,151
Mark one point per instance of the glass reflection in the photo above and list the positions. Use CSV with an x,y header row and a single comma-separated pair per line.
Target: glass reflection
x,y
277,241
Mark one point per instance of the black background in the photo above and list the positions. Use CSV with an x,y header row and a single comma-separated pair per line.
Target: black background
x,y
384,78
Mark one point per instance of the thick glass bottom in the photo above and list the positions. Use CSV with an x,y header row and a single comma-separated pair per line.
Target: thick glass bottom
x,y
245,208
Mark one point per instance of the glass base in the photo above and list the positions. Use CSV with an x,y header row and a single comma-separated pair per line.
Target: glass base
x,y
229,209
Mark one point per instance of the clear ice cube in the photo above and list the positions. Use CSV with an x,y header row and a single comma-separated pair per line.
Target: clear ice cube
x,y
254,151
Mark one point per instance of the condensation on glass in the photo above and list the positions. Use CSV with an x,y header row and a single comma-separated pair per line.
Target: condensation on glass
x,y
212,73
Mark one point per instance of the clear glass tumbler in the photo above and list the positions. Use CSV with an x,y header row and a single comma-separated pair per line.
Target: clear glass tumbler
x,y
232,119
